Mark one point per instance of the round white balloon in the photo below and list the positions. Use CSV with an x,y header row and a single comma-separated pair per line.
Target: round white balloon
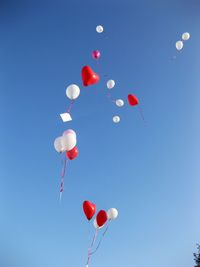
x,y
179,45
112,214
110,84
116,119
73,91
119,102
99,28
68,141
58,144
185,36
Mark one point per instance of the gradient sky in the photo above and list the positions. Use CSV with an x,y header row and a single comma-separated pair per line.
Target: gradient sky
x,y
149,172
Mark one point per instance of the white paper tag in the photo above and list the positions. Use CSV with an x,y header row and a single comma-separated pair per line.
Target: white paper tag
x,y
66,117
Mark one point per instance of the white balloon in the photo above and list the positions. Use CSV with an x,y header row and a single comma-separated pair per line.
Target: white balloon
x,y
179,45
96,225
68,141
110,84
73,91
112,214
185,36
99,28
58,144
119,102
70,131
116,119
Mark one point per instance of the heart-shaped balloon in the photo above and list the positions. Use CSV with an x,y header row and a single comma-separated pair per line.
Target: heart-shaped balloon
x,y
89,209
101,218
133,100
89,77
72,154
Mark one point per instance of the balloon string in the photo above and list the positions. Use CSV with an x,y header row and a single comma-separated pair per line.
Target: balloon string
x,y
109,97
101,238
175,56
70,107
141,114
91,247
106,37
100,68
88,241
64,162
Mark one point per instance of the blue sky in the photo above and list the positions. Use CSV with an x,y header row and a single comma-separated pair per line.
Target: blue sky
x,y
150,173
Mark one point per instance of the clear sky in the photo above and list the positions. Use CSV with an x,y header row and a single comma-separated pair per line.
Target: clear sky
x,y
150,173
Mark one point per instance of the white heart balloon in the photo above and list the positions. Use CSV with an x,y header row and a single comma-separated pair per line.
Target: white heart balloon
x,y
68,141
70,131
96,225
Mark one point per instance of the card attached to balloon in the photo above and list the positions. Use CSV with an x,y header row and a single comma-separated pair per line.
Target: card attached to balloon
x,y
66,117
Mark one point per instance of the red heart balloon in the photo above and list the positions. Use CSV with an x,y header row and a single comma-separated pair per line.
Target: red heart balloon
x,y
89,209
89,77
133,100
73,153
101,218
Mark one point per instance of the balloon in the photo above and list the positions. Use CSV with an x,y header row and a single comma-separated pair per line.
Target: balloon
x,y
72,154
69,131
58,144
73,91
96,225
179,45
99,28
110,84
185,36
68,141
119,102
96,54
89,209
116,119
89,77
133,100
112,214
101,218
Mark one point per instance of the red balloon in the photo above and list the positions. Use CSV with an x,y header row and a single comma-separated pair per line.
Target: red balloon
x,y
96,54
73,153
89,77
133,100
89,209
101,218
